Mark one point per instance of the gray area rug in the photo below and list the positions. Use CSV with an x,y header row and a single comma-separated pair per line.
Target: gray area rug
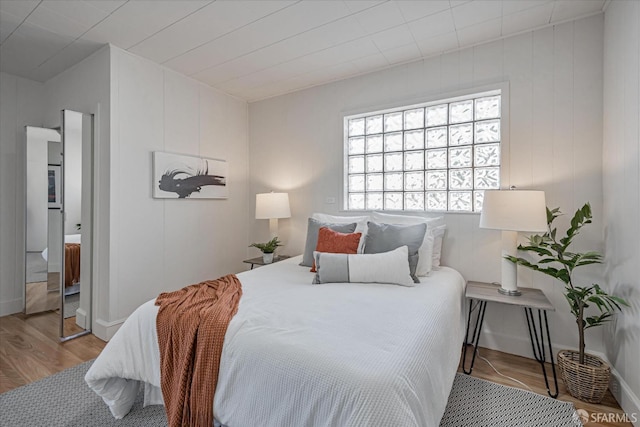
x,y
477,403
71,304
65,399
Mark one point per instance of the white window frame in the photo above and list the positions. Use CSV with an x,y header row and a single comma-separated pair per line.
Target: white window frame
x,y
500,88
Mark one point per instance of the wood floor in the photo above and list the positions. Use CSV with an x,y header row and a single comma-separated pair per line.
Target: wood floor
x,y
30,350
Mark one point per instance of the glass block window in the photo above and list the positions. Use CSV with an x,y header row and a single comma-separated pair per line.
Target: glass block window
x,y
437,156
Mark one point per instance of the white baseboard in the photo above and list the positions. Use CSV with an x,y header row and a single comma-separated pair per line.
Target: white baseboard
x,y
521,346
81,318
624,395
106,330
11,306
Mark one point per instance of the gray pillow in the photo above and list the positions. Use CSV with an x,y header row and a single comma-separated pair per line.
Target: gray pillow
x,y
387,237
313,227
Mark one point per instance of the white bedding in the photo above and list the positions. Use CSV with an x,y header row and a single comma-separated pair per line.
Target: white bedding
x,y
298,354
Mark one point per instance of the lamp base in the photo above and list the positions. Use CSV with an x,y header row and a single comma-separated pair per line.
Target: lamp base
x,y
509,292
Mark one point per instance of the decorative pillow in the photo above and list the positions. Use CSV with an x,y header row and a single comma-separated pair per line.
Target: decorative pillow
x,y
388,267
438,235
425,251
361,222
336,243
313,226
431,254
386,237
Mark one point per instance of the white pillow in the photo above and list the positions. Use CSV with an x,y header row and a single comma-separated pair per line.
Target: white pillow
x,y
361,226
386,267
425,252
437,245
433,237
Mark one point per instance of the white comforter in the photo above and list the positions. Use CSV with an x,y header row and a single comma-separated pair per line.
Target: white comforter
x,y
298,354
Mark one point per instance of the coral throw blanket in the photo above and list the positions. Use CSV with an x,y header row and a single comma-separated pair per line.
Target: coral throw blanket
x,y
191,325
71,264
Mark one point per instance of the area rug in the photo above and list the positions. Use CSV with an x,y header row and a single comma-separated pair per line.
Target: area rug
x,y
64,399
477,403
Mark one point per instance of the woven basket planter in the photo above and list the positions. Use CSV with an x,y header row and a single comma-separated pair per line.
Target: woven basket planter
x,y
589,381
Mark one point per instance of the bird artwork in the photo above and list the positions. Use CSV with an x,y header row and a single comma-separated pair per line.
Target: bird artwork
x,y
189,177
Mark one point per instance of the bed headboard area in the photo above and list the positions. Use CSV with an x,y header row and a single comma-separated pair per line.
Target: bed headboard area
x,y
473,251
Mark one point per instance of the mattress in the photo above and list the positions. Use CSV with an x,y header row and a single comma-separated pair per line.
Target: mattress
x,y
297,354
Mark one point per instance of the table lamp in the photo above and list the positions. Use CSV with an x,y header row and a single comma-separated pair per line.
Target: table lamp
x,y
512,211
272,206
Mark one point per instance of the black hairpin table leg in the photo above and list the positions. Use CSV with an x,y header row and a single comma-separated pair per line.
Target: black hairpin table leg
x,y
537,344
481,307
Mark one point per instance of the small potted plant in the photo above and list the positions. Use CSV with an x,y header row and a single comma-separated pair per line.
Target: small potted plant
x,y
268,249
585,375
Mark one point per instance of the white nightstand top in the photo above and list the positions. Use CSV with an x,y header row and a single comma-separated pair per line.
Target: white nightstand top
x,y
533,298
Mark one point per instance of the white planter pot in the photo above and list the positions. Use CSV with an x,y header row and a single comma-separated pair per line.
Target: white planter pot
x,y
267,258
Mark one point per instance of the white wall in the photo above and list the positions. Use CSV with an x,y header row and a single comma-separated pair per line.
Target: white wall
x,y
37,182
621,159
85,88
555,78
21,105
160,245
146,246
73,184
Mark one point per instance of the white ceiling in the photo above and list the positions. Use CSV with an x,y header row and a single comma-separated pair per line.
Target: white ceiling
x,y
256,49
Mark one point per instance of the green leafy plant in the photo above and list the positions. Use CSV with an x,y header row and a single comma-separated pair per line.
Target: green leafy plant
x,y
557,261
269,247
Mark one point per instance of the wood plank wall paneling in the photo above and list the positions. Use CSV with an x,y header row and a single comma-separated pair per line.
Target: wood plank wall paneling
x,y
555,145
621,183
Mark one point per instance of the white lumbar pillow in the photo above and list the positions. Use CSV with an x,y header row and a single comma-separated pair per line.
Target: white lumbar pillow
x,y
386,267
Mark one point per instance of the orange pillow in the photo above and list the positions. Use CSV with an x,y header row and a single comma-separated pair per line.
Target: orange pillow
x,y
335,242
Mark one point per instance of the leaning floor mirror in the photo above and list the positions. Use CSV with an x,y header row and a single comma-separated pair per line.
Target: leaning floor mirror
x,y
59,199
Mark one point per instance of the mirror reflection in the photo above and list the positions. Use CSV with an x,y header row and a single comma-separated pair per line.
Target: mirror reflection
x,y
58,222
44,157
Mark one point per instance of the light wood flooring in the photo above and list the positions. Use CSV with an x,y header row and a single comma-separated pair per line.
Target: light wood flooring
x,y
30,350
529,372
40,298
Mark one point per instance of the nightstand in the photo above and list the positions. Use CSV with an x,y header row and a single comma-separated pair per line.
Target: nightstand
x,y
479,294
260,261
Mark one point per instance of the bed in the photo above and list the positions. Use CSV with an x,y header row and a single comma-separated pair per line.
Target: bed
x,y
297,354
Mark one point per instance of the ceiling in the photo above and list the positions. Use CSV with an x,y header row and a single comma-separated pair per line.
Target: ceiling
x,y
255,49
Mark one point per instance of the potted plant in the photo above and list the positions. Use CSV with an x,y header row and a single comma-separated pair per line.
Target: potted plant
x,y
586,376
268,249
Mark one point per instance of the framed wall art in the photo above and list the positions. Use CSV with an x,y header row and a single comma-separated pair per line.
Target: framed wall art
x,y
178,176
54,195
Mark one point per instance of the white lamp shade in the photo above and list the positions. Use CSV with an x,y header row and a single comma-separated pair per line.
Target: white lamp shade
x,y
514,210
272,205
